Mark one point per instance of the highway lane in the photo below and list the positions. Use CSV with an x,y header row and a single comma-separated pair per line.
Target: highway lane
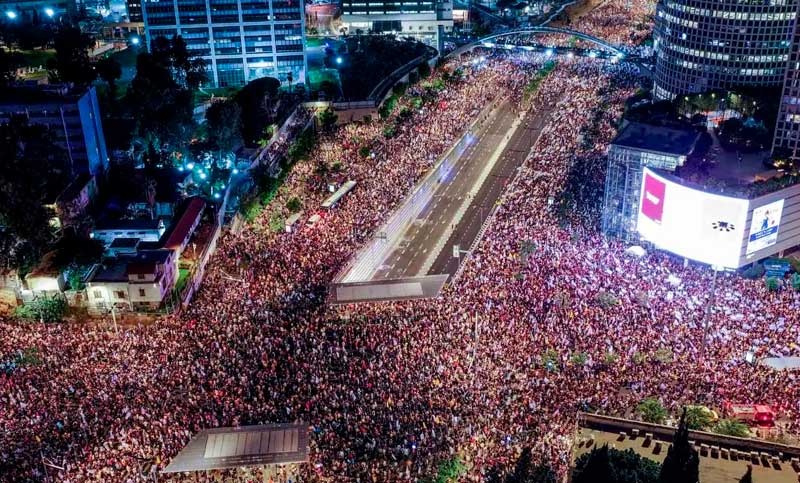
x,y
433,226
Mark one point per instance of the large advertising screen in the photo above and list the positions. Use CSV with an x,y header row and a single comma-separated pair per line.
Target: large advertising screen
x,y
764,227
700,226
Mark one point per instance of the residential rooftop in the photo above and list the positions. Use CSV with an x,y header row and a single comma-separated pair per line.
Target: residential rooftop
x,y
679,141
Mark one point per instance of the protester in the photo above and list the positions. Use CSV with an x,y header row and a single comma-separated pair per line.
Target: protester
x,y
390,390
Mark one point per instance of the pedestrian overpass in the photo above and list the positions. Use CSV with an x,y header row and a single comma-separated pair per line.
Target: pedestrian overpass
x,y
498,38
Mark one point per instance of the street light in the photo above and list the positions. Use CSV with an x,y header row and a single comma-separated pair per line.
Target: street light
x,y
135,40
49,12
11,14
338,60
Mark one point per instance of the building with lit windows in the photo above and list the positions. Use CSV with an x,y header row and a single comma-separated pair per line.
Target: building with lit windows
x,y
703,45
787,127
424,20
240,40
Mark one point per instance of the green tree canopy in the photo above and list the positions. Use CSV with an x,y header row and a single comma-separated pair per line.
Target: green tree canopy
x,y
698,418
256,101
162,110
110,71
682,463
34,170
71,62
651,411
604,465
224,123
732,427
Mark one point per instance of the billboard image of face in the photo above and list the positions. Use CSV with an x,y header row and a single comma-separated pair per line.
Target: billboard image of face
x,y
764,226
691,223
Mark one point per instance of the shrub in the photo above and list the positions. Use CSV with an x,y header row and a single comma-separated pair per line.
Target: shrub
x,y
550,360
731,427
579,358
294,204
698,418
42,309
276,222
651,411
773,283
424,70
388,106
754,272
363,151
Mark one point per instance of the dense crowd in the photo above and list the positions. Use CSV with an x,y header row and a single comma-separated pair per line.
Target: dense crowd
x,y
390,390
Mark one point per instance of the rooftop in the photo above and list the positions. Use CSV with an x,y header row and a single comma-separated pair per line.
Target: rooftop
x,y
648,137
124,243
127,225
24,93
181,228
115,271
268,444
145,261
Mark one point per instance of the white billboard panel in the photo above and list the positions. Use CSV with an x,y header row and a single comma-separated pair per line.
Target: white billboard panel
x,y
700,226
764,226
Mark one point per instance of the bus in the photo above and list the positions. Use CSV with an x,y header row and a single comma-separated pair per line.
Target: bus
x,y
338,195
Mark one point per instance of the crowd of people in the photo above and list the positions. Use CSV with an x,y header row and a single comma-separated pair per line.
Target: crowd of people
x,y
391,390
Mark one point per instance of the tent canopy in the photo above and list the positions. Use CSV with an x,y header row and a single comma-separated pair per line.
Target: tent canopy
x,y
220,448
781,363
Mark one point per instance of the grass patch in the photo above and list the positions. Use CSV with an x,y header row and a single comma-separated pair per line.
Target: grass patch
x,y
36,58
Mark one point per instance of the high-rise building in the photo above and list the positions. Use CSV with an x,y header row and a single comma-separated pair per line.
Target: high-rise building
x,y
703,45
424,20
240,40
73,115
134,8
787,127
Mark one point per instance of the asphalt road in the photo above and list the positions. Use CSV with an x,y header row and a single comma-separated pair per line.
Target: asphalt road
x,y
502,173
436,221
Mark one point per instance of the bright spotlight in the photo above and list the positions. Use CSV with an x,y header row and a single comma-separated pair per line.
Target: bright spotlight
x,y
11,14
235,171
548,52
339,60
135,40
49,12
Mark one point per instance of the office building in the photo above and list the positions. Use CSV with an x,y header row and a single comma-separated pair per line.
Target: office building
x,y
787,127
73,116
134,8
240,40
703,45
638,146
424,20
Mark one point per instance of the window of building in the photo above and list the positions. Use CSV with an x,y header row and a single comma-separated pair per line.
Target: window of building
x,y
120,294
97,294
140,276
141,292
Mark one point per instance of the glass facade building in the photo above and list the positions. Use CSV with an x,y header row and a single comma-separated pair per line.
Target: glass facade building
x,y
240,40
787,127
702,45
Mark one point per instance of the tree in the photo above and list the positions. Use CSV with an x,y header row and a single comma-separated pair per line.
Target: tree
x,y
748,475
698,418
43,309
328,118
682,464
162,110
33,171
594,467
731,427
522,470
604,465
224,124
109,70
9,62
71,63
294,204
651,411
424,70
256,101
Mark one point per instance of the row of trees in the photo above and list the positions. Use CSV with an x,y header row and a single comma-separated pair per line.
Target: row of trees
x,y
698,418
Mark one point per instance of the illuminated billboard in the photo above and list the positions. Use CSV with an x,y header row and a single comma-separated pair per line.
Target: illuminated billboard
x,y
691,223
764,227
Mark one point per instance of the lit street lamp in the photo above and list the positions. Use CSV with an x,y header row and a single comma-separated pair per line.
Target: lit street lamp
x,y
11,14
49,12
